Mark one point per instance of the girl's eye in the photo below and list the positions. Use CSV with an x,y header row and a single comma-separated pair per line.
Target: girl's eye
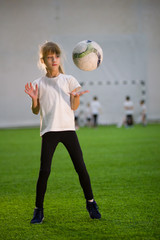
x,y
50,58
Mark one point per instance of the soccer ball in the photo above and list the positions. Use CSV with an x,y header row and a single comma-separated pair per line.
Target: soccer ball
x,y
87,55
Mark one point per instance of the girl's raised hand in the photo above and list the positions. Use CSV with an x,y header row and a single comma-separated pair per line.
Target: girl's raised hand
x,y
31,91
78,94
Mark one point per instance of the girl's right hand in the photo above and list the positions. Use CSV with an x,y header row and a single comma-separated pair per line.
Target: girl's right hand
x,y
31,91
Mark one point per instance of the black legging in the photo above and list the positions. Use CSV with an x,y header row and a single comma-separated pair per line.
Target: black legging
x,y
95,119
50,141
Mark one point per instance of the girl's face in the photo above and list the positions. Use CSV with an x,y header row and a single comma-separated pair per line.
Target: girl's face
x,y
52,62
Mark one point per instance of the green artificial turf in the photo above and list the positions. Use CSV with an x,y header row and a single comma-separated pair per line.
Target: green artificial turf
x,y
124,167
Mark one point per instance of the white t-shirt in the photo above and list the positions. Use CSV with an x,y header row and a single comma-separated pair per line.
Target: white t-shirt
x,y
128,105
55,110
95,107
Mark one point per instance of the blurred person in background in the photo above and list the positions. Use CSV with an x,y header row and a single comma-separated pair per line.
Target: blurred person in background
x,y
143,113
76,117
88,115
95,110
129,109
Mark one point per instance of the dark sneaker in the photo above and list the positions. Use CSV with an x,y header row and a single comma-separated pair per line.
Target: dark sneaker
x,y
38,215
93,210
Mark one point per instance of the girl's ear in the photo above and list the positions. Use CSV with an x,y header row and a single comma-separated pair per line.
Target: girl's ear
x,y
42,60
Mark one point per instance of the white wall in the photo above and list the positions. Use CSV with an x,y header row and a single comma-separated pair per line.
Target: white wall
x,y
127,30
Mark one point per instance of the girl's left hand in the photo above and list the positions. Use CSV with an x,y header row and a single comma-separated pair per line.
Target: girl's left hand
x,y
78,94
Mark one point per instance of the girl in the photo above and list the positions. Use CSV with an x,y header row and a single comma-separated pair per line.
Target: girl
x,y
56,96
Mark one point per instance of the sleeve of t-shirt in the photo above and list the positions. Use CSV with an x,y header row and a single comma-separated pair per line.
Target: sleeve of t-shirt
x,y
74,84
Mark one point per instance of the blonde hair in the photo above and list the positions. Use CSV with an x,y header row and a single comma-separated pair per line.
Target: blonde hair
x,y
45,49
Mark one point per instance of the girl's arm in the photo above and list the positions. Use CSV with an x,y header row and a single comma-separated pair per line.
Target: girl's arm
x,y
75,99
35,106
74,102
33,93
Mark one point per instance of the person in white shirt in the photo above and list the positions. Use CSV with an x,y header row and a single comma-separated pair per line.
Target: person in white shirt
x,y
95,109
129,108
56,96
88,115
143,113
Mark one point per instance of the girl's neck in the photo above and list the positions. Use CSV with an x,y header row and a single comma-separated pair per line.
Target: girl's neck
x,y
52,74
